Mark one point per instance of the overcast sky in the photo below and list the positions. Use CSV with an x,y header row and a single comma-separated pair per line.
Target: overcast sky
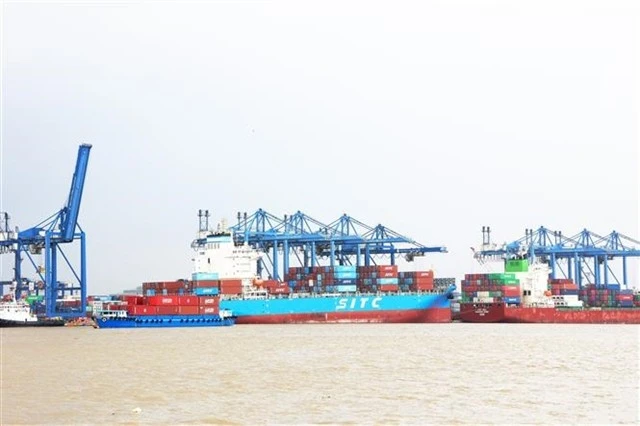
x,y
433,118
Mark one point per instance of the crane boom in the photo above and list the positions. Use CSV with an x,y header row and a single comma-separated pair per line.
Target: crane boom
x,y
69,213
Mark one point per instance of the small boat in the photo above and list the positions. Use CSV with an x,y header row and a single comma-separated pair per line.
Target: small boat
x,y
122,319
18,313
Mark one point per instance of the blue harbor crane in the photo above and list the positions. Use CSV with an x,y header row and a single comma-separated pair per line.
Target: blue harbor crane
x,y
47,238
345,241
585,257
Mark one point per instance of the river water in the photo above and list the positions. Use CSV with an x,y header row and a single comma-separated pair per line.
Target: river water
x,y
323,374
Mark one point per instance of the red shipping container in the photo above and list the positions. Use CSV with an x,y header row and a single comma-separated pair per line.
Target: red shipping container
x,y
423,280
209,301
208,310
167,310
511,291
206,284
387,274
142,310
386,268
162,300
188,310
188,301
389,287
280,290
230,283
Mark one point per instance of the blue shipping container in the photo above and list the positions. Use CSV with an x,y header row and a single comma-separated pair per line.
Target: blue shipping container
x,y
345,275
386,281
512,300
346,288
204,276
205,291
344,268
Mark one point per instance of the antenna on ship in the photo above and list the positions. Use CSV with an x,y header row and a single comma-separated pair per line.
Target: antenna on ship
x,y
203,220
486,239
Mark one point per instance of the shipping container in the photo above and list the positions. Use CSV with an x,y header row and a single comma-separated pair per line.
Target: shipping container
x,y
167,309
209,301
197,276
206,291
205,284
208,310
188,301
142,310
188,310
162,300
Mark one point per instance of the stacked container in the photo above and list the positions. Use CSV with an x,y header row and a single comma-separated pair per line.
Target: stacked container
x,y
378,278
608,296
489,288
417,281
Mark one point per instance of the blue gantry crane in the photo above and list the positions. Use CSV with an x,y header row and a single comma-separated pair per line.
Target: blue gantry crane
x,y
47,239
345,241
585,257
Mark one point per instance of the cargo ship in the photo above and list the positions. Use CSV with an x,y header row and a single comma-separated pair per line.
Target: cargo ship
x,y
524,293
225,274
128,311
312,294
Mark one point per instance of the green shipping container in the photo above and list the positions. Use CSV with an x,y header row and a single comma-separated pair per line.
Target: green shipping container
x,y
32,299
516,265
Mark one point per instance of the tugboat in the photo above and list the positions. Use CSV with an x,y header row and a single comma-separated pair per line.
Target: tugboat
x,y
18,313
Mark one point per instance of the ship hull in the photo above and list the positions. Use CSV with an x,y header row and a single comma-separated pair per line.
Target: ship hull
x,y
40,323
176,321
435,315
405,308
497,312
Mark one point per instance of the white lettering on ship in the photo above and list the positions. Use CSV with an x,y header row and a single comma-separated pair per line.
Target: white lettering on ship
x,y
354,303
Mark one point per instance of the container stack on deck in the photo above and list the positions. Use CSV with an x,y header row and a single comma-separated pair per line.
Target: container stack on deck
x,y
489,288
364,279
610,296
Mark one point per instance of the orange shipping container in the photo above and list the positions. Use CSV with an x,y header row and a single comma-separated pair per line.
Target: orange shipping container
x,y
188,310
423,281
167,310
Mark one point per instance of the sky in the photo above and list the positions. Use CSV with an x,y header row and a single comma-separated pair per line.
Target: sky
x,y
434,118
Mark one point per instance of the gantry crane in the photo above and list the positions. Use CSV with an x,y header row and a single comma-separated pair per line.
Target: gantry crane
x,y
46,239
345,241
585,257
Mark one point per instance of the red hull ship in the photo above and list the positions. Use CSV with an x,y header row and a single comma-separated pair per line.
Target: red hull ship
x,y
526,294
500,312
